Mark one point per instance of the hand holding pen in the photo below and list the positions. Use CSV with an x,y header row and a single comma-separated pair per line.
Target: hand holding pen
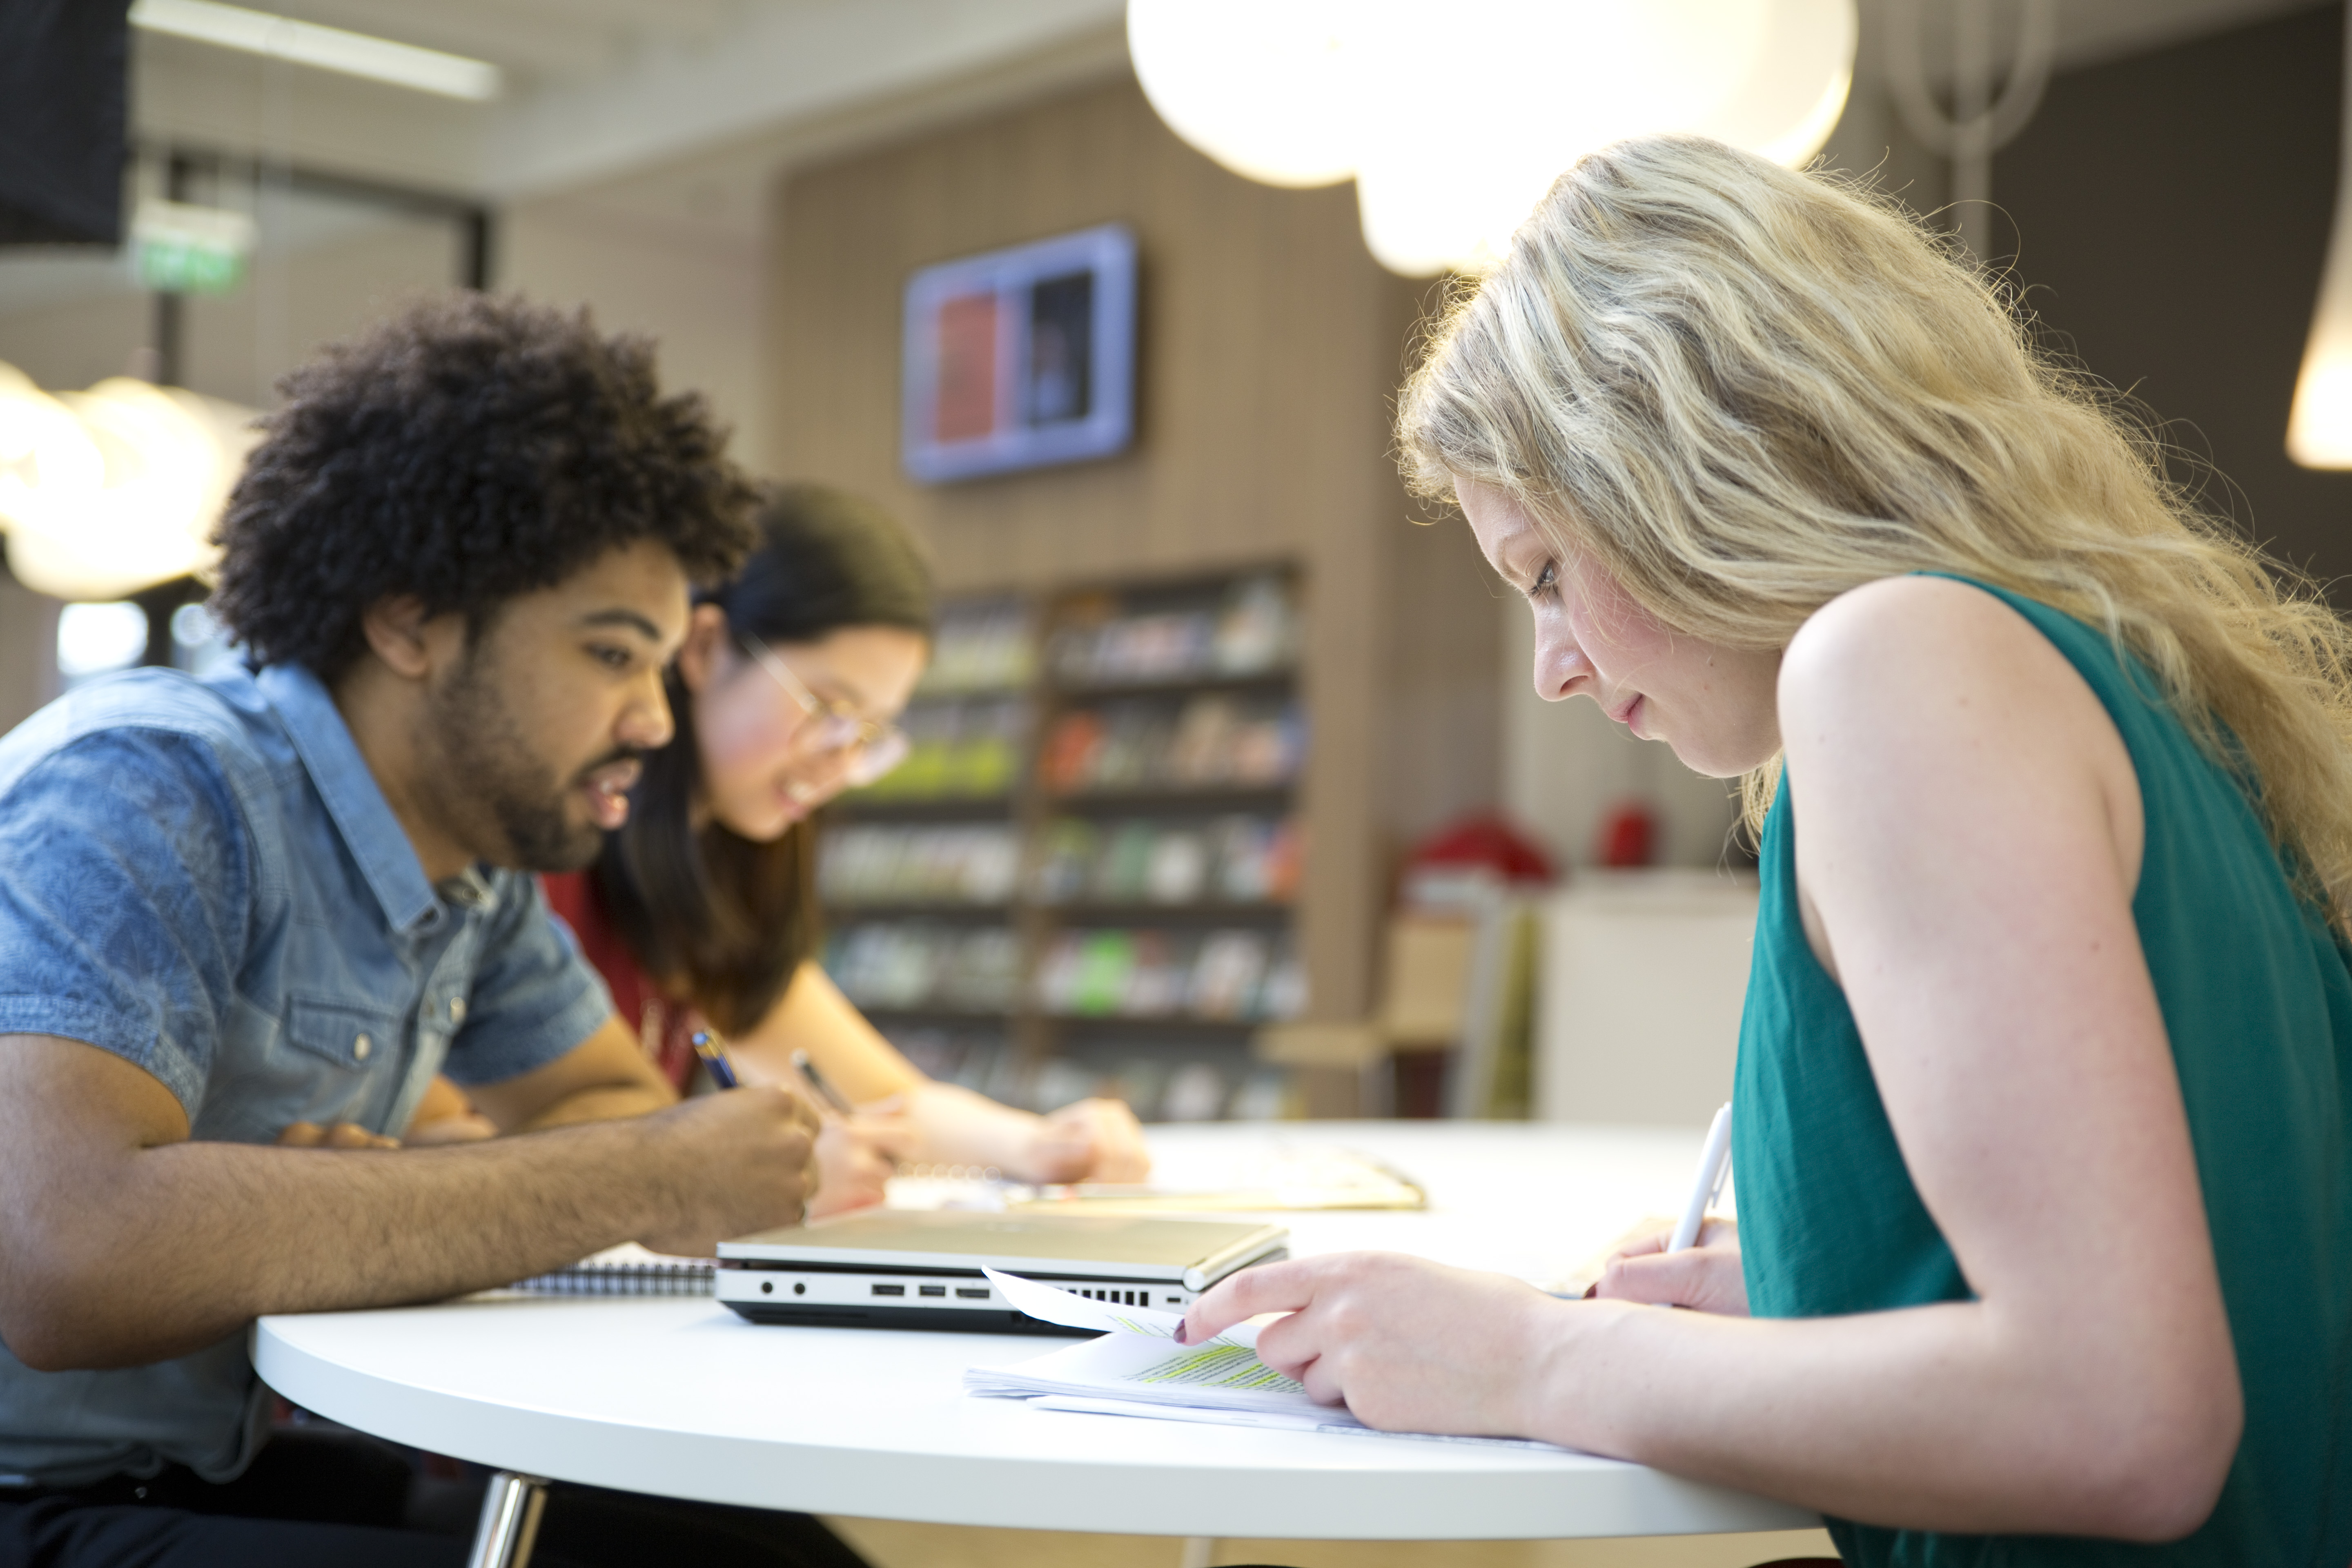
x,y
858,1153
1697,1263
821,1086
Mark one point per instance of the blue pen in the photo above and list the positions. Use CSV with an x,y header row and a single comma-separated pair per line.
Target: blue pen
x,y
713,1052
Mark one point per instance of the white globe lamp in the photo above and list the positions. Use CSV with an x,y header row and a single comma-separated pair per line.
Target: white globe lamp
x,y
1261,86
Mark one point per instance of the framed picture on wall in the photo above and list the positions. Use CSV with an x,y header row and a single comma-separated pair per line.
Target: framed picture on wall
x,y
1021,358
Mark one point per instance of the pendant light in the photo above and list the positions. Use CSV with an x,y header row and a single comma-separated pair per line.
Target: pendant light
x,y
2320,424
1456,120
116,489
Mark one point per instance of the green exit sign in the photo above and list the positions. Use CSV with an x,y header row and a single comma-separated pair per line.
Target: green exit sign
x,y
180,249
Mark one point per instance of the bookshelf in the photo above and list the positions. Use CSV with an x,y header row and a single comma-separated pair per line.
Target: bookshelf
x,y
918,875
1084,878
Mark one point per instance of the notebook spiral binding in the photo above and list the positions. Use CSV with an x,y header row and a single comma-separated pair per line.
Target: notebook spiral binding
x,y
687,1279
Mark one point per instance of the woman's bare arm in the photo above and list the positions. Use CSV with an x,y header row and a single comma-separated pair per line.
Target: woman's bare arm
x,y
1968,845
944,1124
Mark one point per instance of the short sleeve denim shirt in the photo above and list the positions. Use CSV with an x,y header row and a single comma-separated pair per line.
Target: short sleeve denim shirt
x,y
204,877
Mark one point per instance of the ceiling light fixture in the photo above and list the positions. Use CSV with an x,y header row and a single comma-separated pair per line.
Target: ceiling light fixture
x,y
1454,126
111,490
327,48
1264,89
2320,424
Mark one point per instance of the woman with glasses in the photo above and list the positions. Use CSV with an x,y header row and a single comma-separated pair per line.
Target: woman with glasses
x,y
701,911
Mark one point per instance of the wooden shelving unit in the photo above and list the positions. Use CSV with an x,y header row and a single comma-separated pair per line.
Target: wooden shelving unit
x,y
1120,914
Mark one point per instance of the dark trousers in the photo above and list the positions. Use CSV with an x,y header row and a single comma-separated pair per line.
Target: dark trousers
x,y
331,1498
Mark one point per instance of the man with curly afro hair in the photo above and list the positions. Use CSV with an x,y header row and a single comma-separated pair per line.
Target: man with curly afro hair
x,y
247,918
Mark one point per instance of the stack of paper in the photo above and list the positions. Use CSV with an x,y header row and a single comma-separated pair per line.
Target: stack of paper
x,y
1291,1179
1138,1369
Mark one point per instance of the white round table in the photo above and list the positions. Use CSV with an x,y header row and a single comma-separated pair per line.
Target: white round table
x,y
680,1397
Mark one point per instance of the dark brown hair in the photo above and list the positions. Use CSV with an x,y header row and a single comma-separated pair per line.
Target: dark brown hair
x,y
712,914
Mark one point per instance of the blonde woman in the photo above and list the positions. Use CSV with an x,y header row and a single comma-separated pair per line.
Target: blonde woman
x,y
2040,1126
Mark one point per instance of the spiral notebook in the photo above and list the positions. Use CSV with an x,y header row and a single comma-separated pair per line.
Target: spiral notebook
x,y
627,1269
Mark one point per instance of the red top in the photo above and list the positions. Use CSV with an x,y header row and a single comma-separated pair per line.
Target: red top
x,y
665,1024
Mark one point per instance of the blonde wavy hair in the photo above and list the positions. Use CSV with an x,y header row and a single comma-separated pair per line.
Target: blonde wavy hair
x,y
1744,390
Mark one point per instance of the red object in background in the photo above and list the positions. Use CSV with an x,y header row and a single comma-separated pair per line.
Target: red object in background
x,y
1285,858
1070,750
1483,840
1628,837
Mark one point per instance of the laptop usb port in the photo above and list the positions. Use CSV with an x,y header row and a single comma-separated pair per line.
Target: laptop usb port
x,y
978,1293
889,1290
930,1289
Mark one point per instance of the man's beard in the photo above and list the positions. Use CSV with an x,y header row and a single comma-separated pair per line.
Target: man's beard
x,y
499,790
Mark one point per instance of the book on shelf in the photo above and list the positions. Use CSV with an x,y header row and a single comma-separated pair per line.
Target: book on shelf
x,y
970,747
1232,975
972,863
1206,742
915,964
980,645
1248,627
1235,858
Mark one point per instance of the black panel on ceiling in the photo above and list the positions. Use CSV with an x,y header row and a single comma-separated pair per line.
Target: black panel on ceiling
x,y
62,70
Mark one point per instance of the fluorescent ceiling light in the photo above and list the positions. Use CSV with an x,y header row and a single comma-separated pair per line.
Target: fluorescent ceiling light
x,y
329,49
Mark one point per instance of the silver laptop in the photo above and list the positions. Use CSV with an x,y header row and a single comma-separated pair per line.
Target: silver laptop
x,y
920,1269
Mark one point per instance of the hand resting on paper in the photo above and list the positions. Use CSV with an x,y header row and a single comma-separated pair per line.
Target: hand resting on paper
x,y
1705,1278
1406,1344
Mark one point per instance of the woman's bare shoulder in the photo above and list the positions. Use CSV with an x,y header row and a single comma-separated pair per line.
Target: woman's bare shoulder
x,y
1896,616
1899,642
1935,702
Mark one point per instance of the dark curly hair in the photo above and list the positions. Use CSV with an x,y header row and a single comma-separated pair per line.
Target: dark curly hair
x,y
465,450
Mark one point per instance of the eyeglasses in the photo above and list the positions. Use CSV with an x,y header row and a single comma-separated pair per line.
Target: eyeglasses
x,y
878,746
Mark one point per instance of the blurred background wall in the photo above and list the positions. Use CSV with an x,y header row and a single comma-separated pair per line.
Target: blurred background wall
x,y
752,182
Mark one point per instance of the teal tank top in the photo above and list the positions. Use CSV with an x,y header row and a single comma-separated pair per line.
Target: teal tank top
x,y
2258,1001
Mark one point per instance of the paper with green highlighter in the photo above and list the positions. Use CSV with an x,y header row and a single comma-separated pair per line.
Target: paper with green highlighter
x,y
1137,1359
1138,1369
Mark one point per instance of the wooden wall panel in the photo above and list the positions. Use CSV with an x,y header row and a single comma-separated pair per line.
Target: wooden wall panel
x,y
1271,346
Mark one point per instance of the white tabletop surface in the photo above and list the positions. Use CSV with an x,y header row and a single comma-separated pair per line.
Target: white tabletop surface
x,y
681,1397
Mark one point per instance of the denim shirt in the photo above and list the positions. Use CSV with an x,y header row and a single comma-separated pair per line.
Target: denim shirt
x,y
203,879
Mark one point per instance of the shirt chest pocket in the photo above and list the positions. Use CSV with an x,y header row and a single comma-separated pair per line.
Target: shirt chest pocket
x,y
348,1035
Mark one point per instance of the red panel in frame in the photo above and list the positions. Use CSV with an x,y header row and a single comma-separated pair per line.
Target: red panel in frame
x,y
966,405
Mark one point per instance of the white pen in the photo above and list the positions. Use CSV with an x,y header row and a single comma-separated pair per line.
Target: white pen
x,y
1713,1165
